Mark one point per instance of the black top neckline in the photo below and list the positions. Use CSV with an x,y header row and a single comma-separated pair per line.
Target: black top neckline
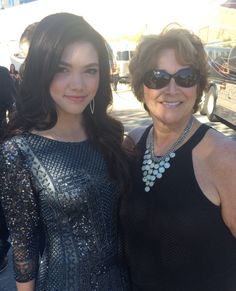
x,y
192,141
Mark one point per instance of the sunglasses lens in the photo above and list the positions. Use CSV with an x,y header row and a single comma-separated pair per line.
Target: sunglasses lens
x,y
156,79
186,77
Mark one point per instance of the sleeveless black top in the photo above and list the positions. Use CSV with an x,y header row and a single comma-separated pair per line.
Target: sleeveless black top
x,y
175,238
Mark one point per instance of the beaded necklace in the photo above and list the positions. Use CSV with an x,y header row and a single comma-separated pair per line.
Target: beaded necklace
x,y
154,167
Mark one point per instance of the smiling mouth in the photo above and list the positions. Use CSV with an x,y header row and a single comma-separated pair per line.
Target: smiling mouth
x,y
171,104
75,98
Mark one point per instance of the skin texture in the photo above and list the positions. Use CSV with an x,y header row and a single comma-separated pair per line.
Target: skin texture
x,y
72,89
76,82
171,106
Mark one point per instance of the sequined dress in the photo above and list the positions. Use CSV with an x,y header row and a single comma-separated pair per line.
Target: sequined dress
x,y
65,188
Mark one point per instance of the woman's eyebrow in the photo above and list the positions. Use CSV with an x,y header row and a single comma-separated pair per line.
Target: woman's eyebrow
x,y
63,63
91,65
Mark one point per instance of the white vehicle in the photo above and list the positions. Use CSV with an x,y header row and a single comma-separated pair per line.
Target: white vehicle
x,y
123,58
219,102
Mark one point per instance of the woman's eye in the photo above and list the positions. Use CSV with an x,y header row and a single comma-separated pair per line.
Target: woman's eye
x,y
62,70
92,71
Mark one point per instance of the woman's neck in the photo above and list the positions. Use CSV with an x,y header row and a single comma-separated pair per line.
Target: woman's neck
x,y
69,130
165,136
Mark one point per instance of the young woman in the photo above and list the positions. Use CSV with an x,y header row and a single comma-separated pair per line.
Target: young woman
x,y
180,219
64,169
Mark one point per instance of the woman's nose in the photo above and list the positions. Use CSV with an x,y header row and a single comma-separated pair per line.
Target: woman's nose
x,y
76,81
171,87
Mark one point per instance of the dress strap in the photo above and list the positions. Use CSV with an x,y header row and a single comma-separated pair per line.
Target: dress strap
x,y
197,136
142,141
191,143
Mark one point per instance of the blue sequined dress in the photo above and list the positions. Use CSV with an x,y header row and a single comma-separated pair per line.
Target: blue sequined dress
x,y
65,188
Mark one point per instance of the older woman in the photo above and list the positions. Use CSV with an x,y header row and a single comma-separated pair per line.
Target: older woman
x,y
179,220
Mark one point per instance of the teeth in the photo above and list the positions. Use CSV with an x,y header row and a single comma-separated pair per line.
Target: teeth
x,y
171,103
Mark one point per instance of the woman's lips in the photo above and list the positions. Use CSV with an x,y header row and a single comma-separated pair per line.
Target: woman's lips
x,y
75,98
171,104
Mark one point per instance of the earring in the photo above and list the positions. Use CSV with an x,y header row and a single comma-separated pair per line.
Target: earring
x,y
92,105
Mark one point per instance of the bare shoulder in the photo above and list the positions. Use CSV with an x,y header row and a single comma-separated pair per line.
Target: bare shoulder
x,y
134,136
221,148
219,152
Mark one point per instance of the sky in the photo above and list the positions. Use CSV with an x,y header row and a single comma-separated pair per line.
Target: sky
x,y
114,18
128,16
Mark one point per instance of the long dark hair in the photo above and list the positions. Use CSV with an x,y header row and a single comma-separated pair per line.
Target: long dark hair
x,y
7,97
35,107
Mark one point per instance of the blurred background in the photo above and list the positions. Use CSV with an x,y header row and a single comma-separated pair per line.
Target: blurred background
x,y
121,22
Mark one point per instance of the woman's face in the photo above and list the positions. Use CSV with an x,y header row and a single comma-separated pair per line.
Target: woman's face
x,y
173,103
77,79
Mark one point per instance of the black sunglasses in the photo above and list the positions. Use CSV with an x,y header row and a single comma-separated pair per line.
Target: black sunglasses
x,y
158,79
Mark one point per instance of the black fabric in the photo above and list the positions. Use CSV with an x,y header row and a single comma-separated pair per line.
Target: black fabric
x,y
3,227
4,244
175,238
7,97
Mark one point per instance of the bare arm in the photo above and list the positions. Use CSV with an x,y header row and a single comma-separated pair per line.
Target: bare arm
x,y
223,165
28,286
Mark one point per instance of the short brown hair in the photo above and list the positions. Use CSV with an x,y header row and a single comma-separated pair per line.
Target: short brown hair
x,y
189,50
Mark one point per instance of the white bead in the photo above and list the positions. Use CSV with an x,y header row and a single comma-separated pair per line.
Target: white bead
x,y
167,165
161,169
153,167
172,155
